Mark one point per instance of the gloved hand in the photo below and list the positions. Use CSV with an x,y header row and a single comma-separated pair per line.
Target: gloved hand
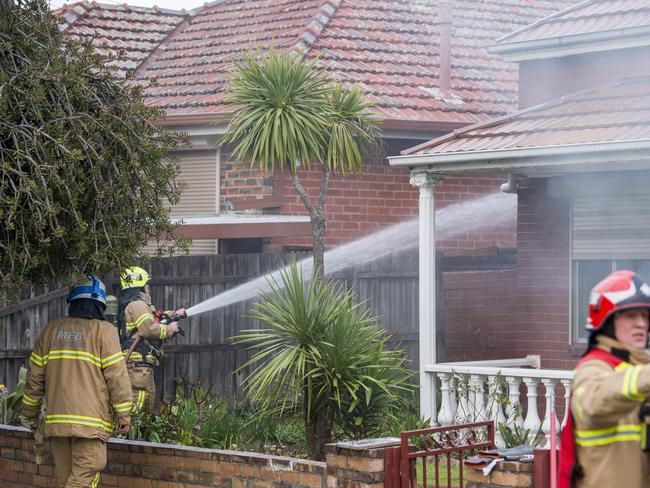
x,y
124,424
123,428
30,422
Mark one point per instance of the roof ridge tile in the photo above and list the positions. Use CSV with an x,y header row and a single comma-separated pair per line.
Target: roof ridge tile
x,y
317,24
544,20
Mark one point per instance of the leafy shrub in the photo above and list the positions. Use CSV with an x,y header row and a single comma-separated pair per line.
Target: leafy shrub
x,y
10,400
518,436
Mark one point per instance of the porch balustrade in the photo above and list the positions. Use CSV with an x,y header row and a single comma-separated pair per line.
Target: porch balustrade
x,y
495,390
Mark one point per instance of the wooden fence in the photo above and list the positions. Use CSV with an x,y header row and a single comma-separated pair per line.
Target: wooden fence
x,y
389,286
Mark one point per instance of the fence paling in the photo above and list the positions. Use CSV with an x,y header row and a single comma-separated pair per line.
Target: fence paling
x,y
409,459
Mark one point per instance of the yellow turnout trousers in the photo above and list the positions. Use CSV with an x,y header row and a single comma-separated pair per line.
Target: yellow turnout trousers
x,y
143,387
78,461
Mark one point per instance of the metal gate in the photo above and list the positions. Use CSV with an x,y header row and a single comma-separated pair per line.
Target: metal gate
x,y
434,458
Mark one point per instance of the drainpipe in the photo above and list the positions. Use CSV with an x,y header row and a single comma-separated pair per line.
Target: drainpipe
x,y
445,22
426,182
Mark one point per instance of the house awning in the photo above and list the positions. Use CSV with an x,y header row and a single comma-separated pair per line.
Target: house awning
x,y
233,226
585,131
590,26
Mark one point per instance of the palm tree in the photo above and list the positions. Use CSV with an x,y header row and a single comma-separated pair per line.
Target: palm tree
x,y
289,115
322,353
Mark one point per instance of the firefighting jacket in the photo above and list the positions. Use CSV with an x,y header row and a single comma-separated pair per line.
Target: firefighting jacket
x,y
78,369
140,317
607,428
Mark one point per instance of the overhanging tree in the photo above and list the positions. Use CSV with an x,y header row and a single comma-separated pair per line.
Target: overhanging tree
x,y
289,115
83,170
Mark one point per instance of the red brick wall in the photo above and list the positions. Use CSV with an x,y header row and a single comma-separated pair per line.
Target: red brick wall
x,y
239,182
543,277
547,79
360,204
523,310
479,313
148,465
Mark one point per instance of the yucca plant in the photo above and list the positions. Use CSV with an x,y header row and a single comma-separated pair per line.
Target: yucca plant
x,y
320,352
290,115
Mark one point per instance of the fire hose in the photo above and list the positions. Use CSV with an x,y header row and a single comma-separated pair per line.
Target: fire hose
x,y
165,319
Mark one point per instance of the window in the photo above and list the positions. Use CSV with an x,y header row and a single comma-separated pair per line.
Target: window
x,y
586,273
609,233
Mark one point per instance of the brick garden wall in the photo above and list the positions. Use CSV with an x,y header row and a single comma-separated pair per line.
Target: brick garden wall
x,y
148,465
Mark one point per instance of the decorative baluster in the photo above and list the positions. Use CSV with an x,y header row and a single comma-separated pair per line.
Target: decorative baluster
x,y
532,421
446,413
463,411
514,406
549,385
495,411
567,394
477,397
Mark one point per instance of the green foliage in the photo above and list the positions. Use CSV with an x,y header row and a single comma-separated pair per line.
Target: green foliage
x,y
201,419
406,418
289,113
283,116
321,353
10,400
83,169
518,436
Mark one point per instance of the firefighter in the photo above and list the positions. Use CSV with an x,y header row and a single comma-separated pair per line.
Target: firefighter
x,y
137,317
77,369
605,440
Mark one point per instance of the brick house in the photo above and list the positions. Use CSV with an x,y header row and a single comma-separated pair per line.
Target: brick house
x,y
427,71
578,153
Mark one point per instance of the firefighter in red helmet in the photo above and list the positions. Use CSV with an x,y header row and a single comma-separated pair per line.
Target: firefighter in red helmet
x,y
605,440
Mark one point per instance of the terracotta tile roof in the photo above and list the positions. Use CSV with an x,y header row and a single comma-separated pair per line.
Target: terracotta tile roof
x,y
617,112
136,31
588,17
388,47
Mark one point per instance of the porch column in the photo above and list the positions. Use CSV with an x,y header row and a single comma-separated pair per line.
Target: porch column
x,y
426,181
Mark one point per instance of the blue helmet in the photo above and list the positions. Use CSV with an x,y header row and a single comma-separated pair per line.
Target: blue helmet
x,y
92,288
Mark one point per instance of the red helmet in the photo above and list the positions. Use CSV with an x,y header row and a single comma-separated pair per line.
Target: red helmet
x,y
621,290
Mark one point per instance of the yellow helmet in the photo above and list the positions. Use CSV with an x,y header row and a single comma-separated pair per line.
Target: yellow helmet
x,y
134,277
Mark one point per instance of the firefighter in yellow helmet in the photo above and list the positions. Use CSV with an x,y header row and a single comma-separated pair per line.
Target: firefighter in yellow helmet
x,y
138,317
77,369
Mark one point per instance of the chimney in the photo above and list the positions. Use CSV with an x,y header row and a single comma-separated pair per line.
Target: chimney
x,y
445,21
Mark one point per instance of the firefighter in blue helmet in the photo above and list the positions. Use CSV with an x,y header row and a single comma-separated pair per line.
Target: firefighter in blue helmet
x,y
138,318
77,369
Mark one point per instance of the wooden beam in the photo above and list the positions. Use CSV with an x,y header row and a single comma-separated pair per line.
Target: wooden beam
x,y
240,230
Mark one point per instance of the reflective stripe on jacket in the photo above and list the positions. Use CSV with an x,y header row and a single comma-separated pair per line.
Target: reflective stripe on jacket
x,y
77,367
140,318
606,397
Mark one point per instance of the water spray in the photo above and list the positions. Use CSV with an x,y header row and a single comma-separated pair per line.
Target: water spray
x,y
487,211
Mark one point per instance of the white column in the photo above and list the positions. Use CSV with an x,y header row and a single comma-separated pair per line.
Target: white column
x,y
426,181
495,411
447,410
549,386
513,411
532,421
567,395
477,393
